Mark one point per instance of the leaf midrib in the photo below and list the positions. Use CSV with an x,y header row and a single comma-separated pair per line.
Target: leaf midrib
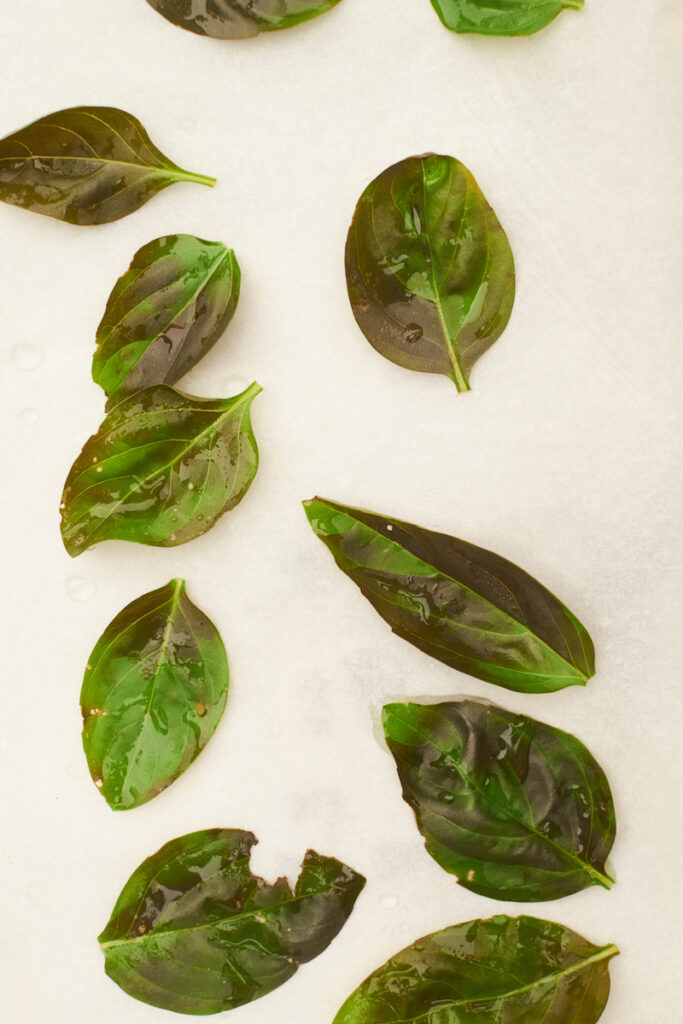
x,y
178,587
459,377
446,575
169,172
605,953
229,918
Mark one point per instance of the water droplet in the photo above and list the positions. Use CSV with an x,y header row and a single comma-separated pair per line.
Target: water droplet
x,y
28,417
27,357
390,526
80,589
412,333
99,783
388,902
190,486
98,469
446,798
234,384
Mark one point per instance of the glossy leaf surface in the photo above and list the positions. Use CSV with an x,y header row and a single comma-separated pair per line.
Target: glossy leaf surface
x,y
506,970
239,19
196,932
165,313
153,693
160,470
462,604
429,269
516,809
501,17
85,165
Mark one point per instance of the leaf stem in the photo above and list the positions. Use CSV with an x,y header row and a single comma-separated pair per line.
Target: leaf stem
x,y
198,179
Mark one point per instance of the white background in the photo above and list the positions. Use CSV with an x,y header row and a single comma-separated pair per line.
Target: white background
x,y
562,458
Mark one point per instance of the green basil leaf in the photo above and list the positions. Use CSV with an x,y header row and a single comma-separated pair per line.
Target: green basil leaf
x,y
239,19
516,809
196,932
86,165
429,269
461,604
506,970
153,693
165,313
501,17
160,470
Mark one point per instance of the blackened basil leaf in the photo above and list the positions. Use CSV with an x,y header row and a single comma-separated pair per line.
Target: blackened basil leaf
x,y
153,693
501,17
160,470
464,605
506,970
429,269
515,809
86,165
239,19
196,932
165,313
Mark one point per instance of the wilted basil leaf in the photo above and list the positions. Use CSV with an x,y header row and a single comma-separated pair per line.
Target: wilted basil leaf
x,y
196,932
153,693
507,970
165,313
429,269
464,605
160,470
239,19
501,17
86,165
516,809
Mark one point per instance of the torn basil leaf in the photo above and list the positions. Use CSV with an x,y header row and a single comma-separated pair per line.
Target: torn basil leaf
x,y
239,19
196,932
515,809
506,970
165,313
429,269
154,691
160,470
501,17
461,604
85,165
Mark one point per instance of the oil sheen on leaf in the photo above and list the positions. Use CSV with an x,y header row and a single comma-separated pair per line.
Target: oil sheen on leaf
x,y
239,19
516,809
165,313
160,470
86,165
196,932
462,604
153,693
506,970
501,17
429,270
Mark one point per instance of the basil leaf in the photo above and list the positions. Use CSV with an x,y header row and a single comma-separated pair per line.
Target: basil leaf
x,y
86,165
516,809
461,604
239,19
501,17
160,470
165,313
196,932
506,970
153,693
429,269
